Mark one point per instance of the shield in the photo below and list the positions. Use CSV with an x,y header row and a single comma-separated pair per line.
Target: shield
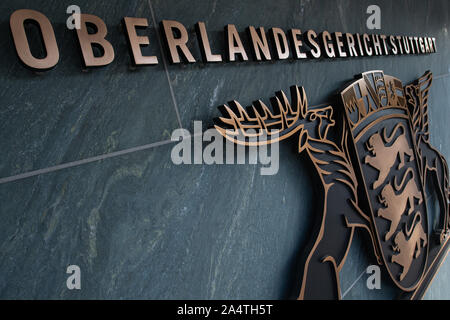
x,y
387,158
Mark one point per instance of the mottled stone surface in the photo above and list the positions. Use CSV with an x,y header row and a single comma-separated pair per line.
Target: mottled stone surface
x,y
66,114
142,227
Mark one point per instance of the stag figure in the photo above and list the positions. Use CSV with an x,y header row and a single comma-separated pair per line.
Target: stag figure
x,y
340,213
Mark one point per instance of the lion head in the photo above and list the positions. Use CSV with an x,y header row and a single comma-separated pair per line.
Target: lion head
x,y
386,193
399,242
375,142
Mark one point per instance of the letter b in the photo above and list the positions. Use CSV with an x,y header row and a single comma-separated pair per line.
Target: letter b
x,y
88,40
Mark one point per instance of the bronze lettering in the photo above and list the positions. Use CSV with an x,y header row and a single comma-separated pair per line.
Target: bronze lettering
x,y
97,51
360,46
400,39
87,41
413,49
376,45
281,47
432,45
339,44
17,24
406,45
425,43
135,42
385,47
367,47
177,43
234,43
205,46
421,45
327,44
350,45
311,41
416,41
394,49
260,44
297,43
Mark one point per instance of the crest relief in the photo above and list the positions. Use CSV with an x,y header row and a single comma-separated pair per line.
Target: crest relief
x,y
372,172
377,113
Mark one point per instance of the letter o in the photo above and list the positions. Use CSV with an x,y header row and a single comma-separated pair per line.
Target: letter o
x,y
17,24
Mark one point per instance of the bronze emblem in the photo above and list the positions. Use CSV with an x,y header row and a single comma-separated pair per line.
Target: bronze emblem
x,y
373,159
376,110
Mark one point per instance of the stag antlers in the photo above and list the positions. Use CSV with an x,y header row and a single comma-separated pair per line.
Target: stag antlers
x,y
240,125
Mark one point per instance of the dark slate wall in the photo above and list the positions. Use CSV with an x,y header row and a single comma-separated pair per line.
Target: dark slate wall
x,y
136,224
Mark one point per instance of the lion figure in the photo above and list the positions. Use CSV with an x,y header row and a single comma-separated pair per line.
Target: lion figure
x,y
383,157
395,204
409,249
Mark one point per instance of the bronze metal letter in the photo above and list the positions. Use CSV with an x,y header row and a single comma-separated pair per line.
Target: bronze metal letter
x,y
413,49
416,41
135,42
367,47
87,41
421,45
205,46
297,43
393,45
400,45
377,45
339,44
169,26
432,47
386,50
311,41
282,51
17,21
260,44
360,46
327,45
425,43
406,45
349,43
234,44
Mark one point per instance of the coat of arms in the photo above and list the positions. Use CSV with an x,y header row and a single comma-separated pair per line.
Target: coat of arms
x,y
376,166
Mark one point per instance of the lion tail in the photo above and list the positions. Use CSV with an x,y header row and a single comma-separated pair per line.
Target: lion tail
x,y
416,221
402,185
389,139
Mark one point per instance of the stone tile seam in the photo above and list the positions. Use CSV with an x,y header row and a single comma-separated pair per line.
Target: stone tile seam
x,y
118,153
78,163
166,69
353,284
83,162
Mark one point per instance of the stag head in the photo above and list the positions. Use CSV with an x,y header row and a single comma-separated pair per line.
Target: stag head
x,y
259,125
